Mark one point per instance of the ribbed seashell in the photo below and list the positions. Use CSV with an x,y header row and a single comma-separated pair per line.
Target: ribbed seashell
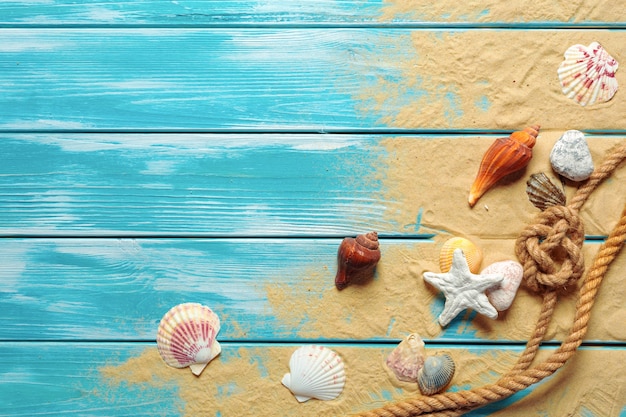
x,y
436,374
543,193
186,336
357,259
588,74
407,358
316,372
504,156
473,254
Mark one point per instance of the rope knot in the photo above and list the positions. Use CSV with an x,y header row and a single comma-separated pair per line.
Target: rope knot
x,y
550,249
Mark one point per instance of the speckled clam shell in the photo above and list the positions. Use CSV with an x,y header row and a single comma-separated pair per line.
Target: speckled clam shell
x,y
473,254
315,372
543,193
186,336
436,374
587,74
502,296
407,358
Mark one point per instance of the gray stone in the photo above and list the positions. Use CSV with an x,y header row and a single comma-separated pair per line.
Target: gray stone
x,y
570,156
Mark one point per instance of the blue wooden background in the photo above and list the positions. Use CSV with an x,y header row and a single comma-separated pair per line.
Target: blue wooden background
x,y
160,152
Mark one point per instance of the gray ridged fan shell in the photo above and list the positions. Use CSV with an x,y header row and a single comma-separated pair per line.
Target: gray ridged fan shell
x,y
543,193
436,373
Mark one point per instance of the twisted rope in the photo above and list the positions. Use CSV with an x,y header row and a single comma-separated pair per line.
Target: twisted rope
x,y
550,251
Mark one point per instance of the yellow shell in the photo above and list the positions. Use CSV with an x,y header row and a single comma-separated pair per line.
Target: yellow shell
x,y
472,253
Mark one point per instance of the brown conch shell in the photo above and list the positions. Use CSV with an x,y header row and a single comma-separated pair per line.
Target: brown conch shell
x,y
407,358
504,156
357,259
543,193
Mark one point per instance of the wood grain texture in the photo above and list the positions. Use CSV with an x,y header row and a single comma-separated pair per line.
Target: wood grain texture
x,y
239,185
154,153
119,289
81,378
268,185
263,80
277,12
263,289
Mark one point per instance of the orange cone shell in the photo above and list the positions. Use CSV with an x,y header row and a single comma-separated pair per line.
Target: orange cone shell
x,y
504,156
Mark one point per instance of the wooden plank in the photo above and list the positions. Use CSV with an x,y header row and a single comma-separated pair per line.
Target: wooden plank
x,y
263,289
280,12
130,379
271,185
264,80
240,185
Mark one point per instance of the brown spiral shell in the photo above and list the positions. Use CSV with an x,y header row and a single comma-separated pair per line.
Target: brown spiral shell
x,y
357,259
504,156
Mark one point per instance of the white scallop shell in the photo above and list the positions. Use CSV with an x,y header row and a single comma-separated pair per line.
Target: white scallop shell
x,y
407,358
436,373
316,372
186,336
588,74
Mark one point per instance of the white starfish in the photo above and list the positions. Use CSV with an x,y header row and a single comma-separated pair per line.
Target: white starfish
x,y
463,289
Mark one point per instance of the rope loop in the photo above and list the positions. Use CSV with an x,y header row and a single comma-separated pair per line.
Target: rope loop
x,y
550,249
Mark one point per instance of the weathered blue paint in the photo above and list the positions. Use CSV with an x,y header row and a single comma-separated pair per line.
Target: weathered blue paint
x,y
483,103
250,13
258,80
221,216
59,379
112,289
54,379
202,185
247,79
118,289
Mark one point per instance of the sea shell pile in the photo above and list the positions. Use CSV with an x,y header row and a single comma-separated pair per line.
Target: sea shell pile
x,y
186,337
315,372
587,74
409,363
487,292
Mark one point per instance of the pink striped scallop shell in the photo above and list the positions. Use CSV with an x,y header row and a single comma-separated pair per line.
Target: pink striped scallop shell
x,y
407,358
186,337
587,74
